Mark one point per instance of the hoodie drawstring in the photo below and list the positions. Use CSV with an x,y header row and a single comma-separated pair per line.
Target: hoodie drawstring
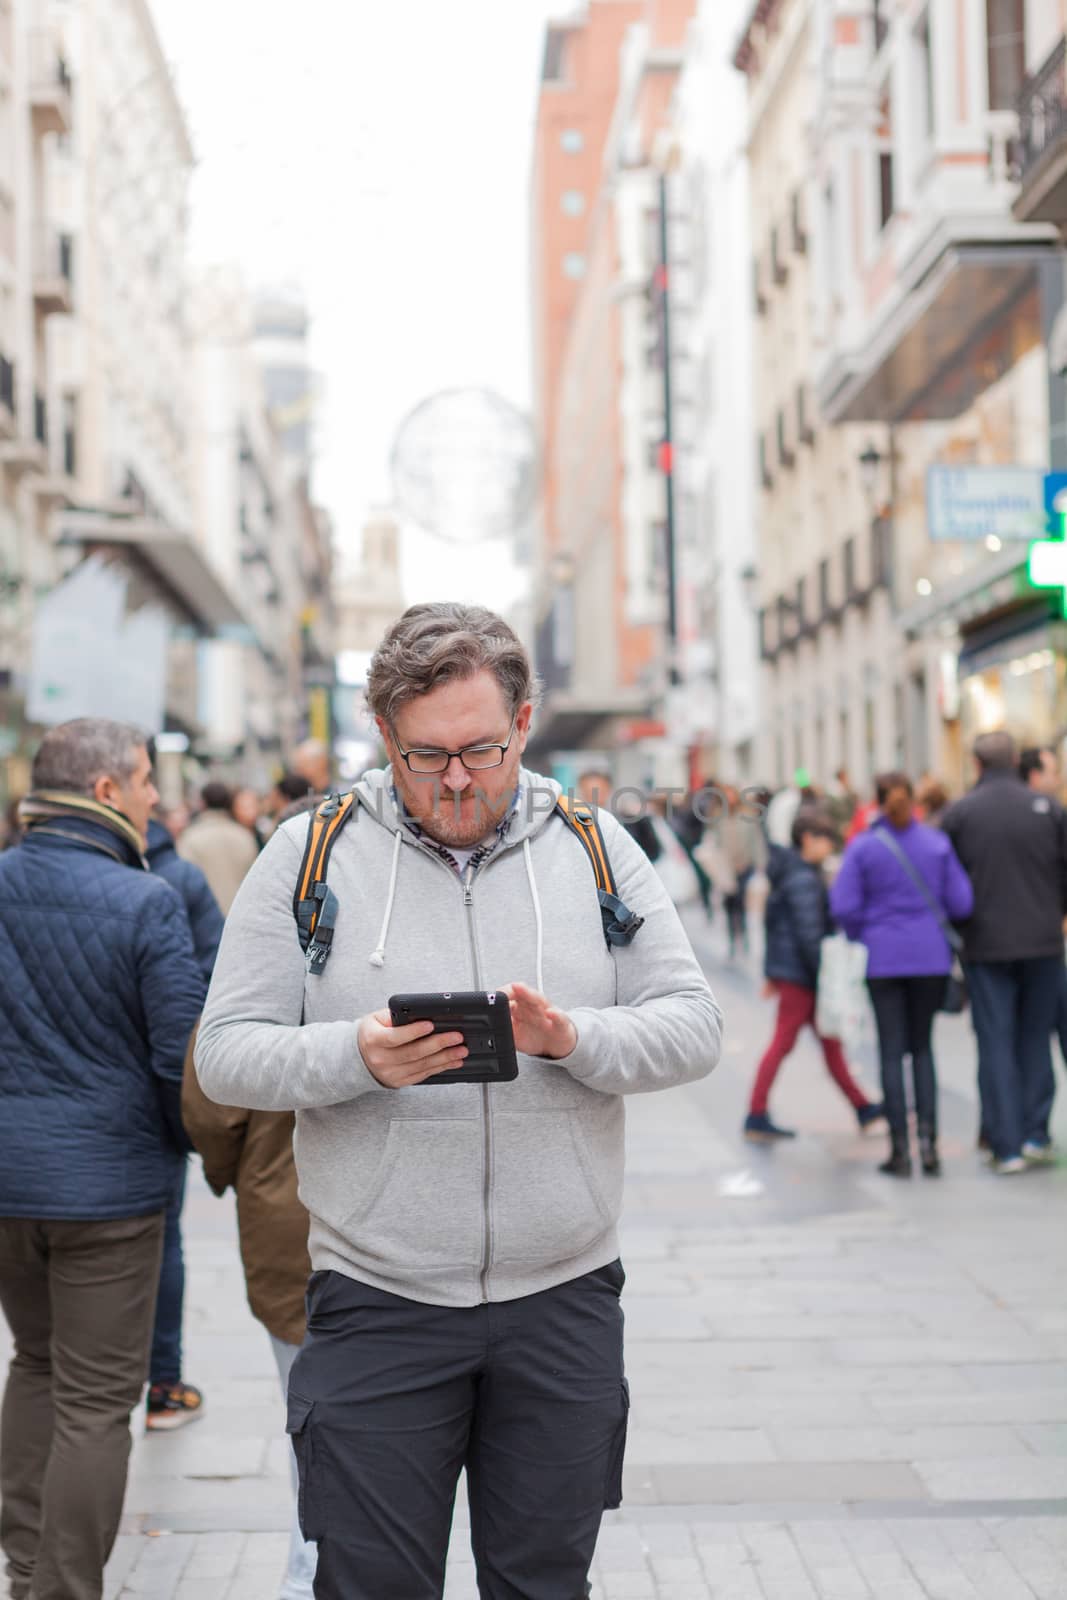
x,y
536,898
377,956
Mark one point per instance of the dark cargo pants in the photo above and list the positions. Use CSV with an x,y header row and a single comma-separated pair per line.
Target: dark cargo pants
x,y
389,1399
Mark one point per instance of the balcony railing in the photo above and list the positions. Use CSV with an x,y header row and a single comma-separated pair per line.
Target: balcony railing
x,y
1043,110
50,85
70,452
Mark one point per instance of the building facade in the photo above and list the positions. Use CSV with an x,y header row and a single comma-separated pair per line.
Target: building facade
x,y
603,602
902,320
711,360
104,462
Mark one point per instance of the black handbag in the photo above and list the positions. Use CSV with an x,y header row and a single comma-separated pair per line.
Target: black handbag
x,y
955,998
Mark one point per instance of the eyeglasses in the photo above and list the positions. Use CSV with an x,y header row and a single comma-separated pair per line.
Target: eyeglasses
x,y
475,757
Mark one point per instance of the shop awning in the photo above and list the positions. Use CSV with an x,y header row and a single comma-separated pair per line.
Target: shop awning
x,y
173,557
569,721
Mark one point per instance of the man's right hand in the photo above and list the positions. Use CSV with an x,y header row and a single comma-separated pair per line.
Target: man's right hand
x,y
400,1057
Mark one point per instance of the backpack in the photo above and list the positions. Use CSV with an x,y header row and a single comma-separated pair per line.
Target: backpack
x,y
315,905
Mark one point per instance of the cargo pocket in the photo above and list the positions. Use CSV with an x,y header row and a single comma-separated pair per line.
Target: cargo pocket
x,y
613,1482
300,1426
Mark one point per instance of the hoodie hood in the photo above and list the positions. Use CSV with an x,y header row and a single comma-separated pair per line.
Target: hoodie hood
x,y
376,794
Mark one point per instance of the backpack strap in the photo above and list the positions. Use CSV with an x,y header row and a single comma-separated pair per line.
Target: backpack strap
x,y
621,925
315,905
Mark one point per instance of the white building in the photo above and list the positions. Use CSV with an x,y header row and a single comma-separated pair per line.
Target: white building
x,y
710,279
95,164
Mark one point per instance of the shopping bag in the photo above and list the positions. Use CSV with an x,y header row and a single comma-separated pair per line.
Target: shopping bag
x,y
841,995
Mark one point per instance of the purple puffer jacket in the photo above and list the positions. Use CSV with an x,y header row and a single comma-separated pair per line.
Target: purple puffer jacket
x,y
875,902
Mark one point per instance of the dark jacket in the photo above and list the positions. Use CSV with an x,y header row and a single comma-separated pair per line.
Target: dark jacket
x,y
797,918
202,909
1013,846
99,993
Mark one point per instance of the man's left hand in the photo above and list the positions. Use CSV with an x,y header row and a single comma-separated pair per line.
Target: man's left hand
x,y
539,1029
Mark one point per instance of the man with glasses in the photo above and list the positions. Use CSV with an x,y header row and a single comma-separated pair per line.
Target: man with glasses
x,y
463,1309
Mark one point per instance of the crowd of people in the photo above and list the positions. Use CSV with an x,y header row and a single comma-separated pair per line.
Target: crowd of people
x,y
437,1270
955,904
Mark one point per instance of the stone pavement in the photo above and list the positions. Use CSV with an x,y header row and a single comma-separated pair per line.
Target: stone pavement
x,y
842,1386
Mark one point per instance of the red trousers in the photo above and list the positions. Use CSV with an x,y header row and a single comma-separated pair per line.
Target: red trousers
x,y
796,1010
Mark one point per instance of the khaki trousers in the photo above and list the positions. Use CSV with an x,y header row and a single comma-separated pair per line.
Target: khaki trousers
x,y
79,1298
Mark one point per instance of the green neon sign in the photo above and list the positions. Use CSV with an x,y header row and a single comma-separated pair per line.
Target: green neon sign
x,y
1046,562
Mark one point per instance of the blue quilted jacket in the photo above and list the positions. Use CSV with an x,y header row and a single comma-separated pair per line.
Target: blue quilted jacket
x,y
99,993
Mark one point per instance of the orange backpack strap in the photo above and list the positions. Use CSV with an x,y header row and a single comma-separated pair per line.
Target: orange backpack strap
x,y
621,925
315,905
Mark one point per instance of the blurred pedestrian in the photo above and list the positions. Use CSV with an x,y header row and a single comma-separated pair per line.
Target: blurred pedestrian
x,y
1039,768
171,1400
841,800
246,808
733,851
597,788
99,994
683,880
222,849
311,760
1012,841
176,819
899,888
932,800
797,920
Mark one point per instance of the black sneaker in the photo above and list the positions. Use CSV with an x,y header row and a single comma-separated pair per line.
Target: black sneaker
x,y
759,1129
866,1116
172,1405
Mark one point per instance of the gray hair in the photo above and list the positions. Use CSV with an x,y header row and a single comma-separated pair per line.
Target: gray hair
x,y
996,752
73,756
439,643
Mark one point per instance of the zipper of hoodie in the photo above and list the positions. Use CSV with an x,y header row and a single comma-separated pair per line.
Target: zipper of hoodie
x,y
487,1127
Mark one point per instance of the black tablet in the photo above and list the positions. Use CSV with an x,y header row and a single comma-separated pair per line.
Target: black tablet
x,y
484,1021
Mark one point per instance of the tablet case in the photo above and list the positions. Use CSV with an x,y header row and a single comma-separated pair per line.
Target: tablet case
x,y
483,1018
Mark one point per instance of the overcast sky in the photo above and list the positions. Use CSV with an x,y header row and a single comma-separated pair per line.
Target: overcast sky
x,y
378,156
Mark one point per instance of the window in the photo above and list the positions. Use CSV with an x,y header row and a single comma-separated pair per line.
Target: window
x,y
786,458
824,588
885,161
925,62
765,476
572,202
881,24
572,140
850,568
574,264
1006,51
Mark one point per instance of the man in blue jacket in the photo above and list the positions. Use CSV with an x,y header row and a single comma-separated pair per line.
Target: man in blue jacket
x,y
99,993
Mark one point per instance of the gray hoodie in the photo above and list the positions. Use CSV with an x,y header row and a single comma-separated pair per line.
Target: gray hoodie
x,y
453,1194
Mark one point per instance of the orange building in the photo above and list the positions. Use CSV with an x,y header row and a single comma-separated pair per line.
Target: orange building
x,y
579,88
602,601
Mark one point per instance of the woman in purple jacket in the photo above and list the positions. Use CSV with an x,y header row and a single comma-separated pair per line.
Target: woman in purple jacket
x,y
879,899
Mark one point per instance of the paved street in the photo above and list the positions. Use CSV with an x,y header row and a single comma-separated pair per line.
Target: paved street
x,y
842,1386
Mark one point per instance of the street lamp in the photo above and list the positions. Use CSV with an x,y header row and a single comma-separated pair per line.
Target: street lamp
x,y
869,463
